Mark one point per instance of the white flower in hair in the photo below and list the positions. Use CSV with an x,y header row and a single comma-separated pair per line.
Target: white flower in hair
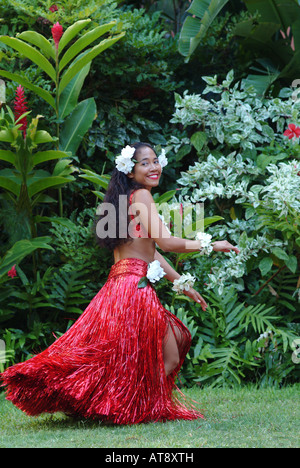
x,y
162,158
155,272
124,161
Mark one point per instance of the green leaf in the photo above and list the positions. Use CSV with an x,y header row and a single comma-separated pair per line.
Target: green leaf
x,y
8,156
38,40
45,183
31,53
198,140
102,180
83,42
196,26
26,84
77,124
143,282
20,250
265,265
71,32
85,59
69,97
280,253
43,156
292,263
9,185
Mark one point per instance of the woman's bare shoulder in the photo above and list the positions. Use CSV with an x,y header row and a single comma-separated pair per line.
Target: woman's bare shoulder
x,y
143,196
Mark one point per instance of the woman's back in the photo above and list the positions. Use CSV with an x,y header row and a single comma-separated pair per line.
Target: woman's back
x,y
141,245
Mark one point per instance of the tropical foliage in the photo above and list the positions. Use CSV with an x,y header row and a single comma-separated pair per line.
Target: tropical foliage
x,y
83,79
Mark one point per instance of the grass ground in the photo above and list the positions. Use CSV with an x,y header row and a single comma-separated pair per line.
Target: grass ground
x,y
241,417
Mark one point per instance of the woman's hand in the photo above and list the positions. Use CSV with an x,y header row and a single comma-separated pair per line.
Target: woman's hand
x,y
224,246
196,297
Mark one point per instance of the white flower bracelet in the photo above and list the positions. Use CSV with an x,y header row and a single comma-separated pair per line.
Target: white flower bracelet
x,y
205,239
184,283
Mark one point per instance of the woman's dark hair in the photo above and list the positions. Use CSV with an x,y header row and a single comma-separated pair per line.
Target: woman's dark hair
x,y
119,184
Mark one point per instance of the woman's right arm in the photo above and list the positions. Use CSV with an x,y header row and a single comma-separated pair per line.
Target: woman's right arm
x,y
149,217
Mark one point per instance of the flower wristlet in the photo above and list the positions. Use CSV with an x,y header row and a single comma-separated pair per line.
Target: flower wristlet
x,y
205,239
184,283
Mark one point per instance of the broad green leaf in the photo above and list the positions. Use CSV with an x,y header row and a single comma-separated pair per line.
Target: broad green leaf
x,y
76,125
265,265
8,156
97,179
280,253
83,42
43,156
9,185
45,183
26,84
165,197
292,263
88,57
30,52
71,32
20,250
195,27
69,97
38,40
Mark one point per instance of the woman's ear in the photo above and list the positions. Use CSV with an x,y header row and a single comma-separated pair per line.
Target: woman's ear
x,y
130,175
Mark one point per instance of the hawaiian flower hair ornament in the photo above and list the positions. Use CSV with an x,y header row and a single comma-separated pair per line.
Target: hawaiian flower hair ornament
x,y
125,161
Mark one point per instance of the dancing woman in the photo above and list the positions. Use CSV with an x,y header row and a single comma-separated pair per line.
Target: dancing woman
x,y
119,360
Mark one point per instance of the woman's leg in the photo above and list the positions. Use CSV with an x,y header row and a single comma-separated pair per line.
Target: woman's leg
x,y
171,351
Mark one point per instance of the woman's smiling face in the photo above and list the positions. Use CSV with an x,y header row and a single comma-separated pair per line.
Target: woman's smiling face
x,y
147,170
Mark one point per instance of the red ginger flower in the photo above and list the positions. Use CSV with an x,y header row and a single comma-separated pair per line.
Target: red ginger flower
x,y
292,131
57,32
20,107
12,272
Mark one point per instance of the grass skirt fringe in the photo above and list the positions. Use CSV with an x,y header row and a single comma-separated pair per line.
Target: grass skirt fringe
x,y
109,365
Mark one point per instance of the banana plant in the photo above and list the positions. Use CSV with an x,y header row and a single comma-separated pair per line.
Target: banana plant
x,y
200,16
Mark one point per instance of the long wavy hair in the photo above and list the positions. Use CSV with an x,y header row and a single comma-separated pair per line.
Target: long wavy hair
x,y
119,184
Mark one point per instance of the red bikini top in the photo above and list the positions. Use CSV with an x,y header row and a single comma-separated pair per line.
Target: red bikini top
x,y
136,229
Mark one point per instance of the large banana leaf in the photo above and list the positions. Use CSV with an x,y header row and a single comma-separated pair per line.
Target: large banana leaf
x,y
76,125
203,13
20,250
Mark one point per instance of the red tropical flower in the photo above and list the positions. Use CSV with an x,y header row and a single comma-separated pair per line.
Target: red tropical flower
x,y
57,32
20,107
12,272
292,131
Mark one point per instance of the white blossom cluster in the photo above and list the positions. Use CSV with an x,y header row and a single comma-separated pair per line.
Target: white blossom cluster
x,y
234,265
232,172
282,190
238,117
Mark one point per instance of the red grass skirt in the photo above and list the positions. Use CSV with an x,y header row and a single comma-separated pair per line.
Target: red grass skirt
x,y
109,365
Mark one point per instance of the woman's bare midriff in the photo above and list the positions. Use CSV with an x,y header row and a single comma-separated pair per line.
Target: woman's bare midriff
x,y
143,248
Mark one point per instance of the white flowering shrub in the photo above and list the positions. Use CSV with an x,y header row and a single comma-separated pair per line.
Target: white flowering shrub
x,y
246,169
234,129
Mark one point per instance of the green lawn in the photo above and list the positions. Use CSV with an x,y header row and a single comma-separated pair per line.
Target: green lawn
x,y
242,417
